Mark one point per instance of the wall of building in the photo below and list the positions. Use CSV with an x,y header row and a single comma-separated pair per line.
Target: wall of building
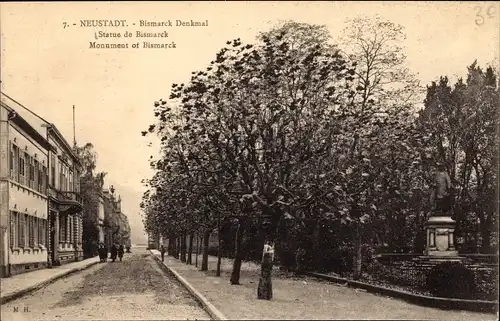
x,y
24,200
64,177
66,167
4,192
100,219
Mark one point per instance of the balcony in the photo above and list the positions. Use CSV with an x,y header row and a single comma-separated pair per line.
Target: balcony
x,y
67,202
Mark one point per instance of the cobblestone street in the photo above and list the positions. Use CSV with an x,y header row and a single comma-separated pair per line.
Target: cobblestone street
x,y
135,289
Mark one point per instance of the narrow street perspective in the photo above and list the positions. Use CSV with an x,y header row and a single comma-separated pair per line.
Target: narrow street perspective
x,y
134,289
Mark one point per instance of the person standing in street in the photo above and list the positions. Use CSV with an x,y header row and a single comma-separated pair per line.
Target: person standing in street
x,y
162,250
114,252
105,252
101,252
121,250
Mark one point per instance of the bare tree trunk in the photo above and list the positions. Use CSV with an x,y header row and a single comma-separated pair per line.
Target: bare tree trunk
x,y
170,246
190,249
219,254
204,261
198,246
265,289
183,247
316,249
235,274
174,247
179,246
358,253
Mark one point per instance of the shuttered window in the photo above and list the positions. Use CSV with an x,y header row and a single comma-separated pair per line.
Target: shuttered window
x,y
22,230
43,187
36,173
13,229
31,171
11,161
53,171
15,163
31,226
21,169
41,232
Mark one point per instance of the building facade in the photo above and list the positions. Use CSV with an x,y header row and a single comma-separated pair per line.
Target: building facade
x,y
24,153
100,222
116,225
65,205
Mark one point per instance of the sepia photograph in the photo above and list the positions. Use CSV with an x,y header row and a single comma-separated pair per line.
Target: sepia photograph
x,y
249,160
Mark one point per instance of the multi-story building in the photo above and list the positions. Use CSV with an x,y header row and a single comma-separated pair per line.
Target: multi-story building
x,y
65,205
117,228
100,224
109,207
23,191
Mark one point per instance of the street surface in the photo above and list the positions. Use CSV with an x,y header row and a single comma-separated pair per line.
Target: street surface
x,y
135,289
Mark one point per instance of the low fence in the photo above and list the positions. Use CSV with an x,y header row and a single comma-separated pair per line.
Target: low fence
x,y
412,274
406,273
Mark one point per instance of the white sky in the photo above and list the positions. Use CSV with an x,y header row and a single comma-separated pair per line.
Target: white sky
x,y
49,69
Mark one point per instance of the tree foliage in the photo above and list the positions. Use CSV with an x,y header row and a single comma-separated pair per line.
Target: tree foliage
x,y
320,148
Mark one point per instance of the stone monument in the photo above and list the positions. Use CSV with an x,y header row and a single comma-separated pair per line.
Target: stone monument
x,y
440,244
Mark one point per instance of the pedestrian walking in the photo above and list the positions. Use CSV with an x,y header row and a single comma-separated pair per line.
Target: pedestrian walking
x,y
100,251
121,250
162,249
105,252
114,252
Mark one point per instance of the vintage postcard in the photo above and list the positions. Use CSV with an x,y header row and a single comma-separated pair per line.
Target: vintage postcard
x,y
253,160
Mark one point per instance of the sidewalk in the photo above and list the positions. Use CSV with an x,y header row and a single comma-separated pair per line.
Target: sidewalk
x,y
299,298
20,284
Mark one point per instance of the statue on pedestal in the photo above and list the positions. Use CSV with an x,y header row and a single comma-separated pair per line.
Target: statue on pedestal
x,y
440,227
441,192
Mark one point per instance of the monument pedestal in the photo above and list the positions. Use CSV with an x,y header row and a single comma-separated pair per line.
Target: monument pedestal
x,y
440,245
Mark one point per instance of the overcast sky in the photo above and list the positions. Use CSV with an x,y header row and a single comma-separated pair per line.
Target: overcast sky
x,y
49,68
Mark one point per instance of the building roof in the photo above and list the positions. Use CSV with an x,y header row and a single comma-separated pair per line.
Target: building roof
x,y
51,128
26,127
57,134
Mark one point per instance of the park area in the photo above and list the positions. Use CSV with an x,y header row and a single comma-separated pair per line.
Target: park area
x,y
300,297
337,160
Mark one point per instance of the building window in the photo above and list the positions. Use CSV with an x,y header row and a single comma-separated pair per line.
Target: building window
x,y
13,230
21,169
11,160
14,163
70,186
41,232
43,181
31,240
35,231
62,229
36,175
39,235
21,227
53,171
31,172
62,177
68,229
